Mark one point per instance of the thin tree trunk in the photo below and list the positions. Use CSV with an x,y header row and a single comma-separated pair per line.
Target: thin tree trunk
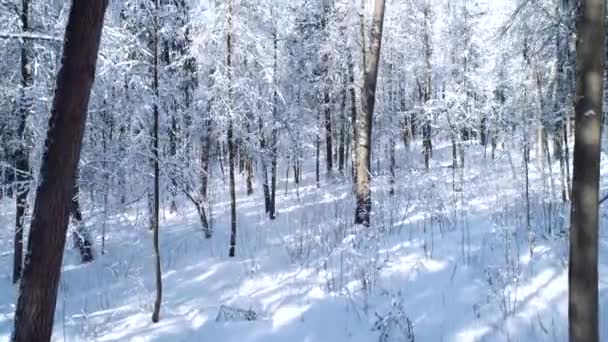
x,y
364,131
249,171
22,153
275,133
318,152
426,130
328,133
264,159
82,238
353,118
583,268
342,142
38,289
273,177
206,143
155,163
230,137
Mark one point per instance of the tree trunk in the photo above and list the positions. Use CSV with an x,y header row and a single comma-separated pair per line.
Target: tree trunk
x,y
583,267
230,136
38,289
22,153
342,142
155,163
426,130
249,171
264,159
353,117
328,133
82,238
206,143
364,131
273,176
275,133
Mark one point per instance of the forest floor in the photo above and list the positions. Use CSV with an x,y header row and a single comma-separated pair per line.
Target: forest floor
x,y
455,265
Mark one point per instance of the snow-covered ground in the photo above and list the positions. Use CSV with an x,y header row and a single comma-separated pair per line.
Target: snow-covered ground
x,y
455,264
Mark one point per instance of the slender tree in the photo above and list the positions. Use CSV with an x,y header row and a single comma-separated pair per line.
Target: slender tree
x,y
364,131
82,239
40,280
230,135
583,267
275,108
22,153
155,164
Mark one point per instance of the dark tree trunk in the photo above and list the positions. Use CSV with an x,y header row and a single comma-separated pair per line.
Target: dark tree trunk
x,y
22,153
353,117
231,153
318,152
206,144
342,142
273,177
275,133
264,159
155,163
328,133
364,131
426,130
230,137
249,170
583,268
40,280
173,136
82,238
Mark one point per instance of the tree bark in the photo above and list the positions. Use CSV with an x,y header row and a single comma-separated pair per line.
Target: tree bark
x,y
38,288
583,267
364,131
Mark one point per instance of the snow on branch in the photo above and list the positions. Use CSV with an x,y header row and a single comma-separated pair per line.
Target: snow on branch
x,y
31,36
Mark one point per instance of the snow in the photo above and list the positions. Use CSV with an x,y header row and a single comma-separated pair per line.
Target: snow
x,y
456,263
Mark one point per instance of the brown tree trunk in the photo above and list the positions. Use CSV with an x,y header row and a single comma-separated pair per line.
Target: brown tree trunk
x,y
583,267
364,131
38,288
